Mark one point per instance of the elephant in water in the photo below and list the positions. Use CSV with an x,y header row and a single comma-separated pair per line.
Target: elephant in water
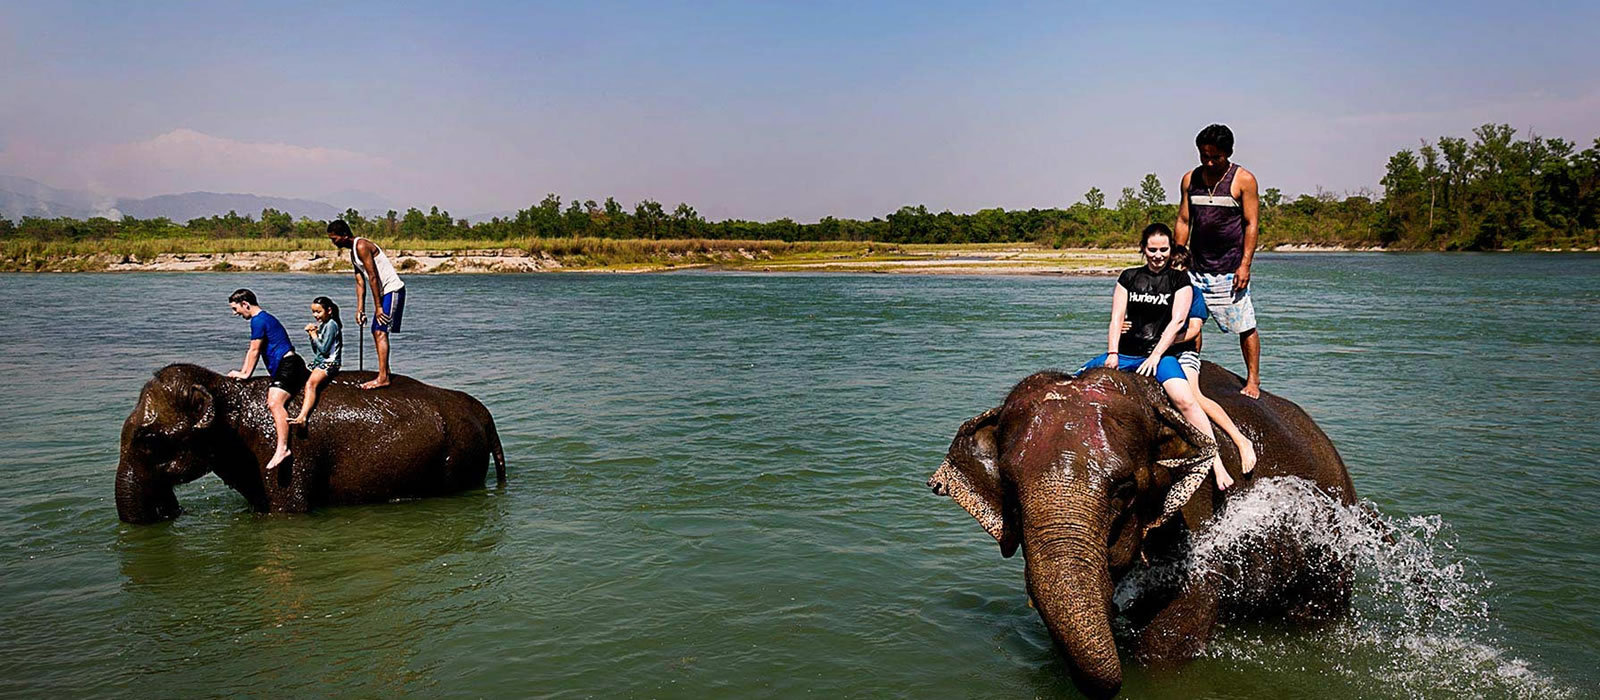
x,y
405,441
1076,471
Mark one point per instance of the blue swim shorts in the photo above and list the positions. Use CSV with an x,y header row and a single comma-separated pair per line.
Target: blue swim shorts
x,y
394,304
1167,368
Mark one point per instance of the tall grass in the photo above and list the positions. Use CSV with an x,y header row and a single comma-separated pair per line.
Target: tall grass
x,y
581,252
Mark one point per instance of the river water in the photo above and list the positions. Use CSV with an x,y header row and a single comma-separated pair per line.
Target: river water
x,y
716,487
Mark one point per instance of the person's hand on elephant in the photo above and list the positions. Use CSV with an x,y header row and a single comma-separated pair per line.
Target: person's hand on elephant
x,y
1148,367
236,374
1111,360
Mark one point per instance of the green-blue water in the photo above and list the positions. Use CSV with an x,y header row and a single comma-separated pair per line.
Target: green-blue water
x,y
716,487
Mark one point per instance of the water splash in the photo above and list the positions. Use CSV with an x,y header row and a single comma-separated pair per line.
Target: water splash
x,y
1419,624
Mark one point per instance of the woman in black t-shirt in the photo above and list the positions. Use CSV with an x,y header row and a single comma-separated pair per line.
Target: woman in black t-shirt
x,y
1155,300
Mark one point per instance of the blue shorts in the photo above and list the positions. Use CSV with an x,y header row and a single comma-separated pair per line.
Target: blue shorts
x,y
1167,368
393,304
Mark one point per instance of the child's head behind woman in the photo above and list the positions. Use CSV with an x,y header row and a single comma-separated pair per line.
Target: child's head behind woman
x,y
1179,258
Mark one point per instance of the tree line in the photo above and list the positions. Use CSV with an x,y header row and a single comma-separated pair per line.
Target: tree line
x,y
1451,194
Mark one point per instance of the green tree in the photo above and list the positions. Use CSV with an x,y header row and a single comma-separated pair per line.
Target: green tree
x,y
1151,193
649,217
276,224
686,222
1095,198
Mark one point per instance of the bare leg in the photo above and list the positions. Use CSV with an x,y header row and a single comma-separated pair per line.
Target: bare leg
x,y
1183,399
1250,346
276,398
1247,449
380,340
318,376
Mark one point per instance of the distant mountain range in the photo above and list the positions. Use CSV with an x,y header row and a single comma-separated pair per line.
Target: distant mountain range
x,y
20,196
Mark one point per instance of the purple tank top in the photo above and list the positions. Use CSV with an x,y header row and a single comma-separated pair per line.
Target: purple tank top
x,y
1216,224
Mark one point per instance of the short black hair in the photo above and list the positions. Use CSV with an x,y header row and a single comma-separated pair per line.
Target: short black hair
x,y
1216,135
339,226
243,295
1155,229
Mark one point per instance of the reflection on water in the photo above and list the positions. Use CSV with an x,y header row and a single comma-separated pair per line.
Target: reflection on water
x,y
272,598
716,487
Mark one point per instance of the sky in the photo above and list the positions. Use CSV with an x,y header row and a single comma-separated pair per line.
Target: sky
x,y
762,110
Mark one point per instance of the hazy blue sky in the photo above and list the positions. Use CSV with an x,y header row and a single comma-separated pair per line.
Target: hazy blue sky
x,y
762,110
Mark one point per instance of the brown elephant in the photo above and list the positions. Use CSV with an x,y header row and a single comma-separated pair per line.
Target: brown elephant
x,y
407,440
1076,470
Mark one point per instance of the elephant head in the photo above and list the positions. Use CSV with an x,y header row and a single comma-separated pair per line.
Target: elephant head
x,y
1075,470
170,438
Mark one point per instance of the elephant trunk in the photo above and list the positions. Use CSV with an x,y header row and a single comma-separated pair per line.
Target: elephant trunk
x,y
143,498
1064,540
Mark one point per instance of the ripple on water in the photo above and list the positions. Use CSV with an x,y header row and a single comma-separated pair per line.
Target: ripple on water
x,y
716,487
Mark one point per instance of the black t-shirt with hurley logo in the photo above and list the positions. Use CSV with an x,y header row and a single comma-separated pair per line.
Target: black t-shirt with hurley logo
x,y
1149,307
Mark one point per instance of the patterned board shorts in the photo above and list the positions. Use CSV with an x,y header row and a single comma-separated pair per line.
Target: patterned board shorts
x,y
1189,359
1233,311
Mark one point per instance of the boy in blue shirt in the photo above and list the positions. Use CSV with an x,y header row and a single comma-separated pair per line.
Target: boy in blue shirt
x,y
270,343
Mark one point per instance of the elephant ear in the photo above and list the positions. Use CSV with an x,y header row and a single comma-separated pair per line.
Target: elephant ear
x,y
971,476
1182,450
205,408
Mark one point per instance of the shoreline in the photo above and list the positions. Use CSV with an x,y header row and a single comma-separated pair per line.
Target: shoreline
x,y
977,259
927,260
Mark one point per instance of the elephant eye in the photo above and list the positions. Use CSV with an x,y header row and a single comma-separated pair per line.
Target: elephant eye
x,y
153,442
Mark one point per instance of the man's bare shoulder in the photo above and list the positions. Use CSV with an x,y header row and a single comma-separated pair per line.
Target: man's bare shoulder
x,y
1245,181
1185,181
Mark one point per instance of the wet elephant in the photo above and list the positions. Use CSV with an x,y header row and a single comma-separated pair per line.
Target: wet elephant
x,y
408,440
1076,471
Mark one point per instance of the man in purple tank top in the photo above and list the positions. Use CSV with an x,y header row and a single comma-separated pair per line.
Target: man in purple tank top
x,y
1217,218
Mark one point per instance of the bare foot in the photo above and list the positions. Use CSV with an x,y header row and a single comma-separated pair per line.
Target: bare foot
x,y
1247,456
378,383
277,459
1223,480
1252,389
297,420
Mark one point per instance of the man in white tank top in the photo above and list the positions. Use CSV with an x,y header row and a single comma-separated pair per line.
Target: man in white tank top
x,y
374,272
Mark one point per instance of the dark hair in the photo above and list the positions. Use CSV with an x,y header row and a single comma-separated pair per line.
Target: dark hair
x,y
1179,256
243,295
1216,135
339,226
1155,229
333,309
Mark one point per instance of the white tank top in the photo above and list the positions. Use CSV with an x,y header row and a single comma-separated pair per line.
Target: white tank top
x,y
388,281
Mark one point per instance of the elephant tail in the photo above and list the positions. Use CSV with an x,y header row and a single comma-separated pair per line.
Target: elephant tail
x,y
499,455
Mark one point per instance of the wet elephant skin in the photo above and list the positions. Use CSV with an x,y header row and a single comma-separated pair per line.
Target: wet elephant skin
x,y
408,440
1074,471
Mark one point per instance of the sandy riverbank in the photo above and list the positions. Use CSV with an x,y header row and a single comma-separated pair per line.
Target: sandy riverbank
x,y
986,260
